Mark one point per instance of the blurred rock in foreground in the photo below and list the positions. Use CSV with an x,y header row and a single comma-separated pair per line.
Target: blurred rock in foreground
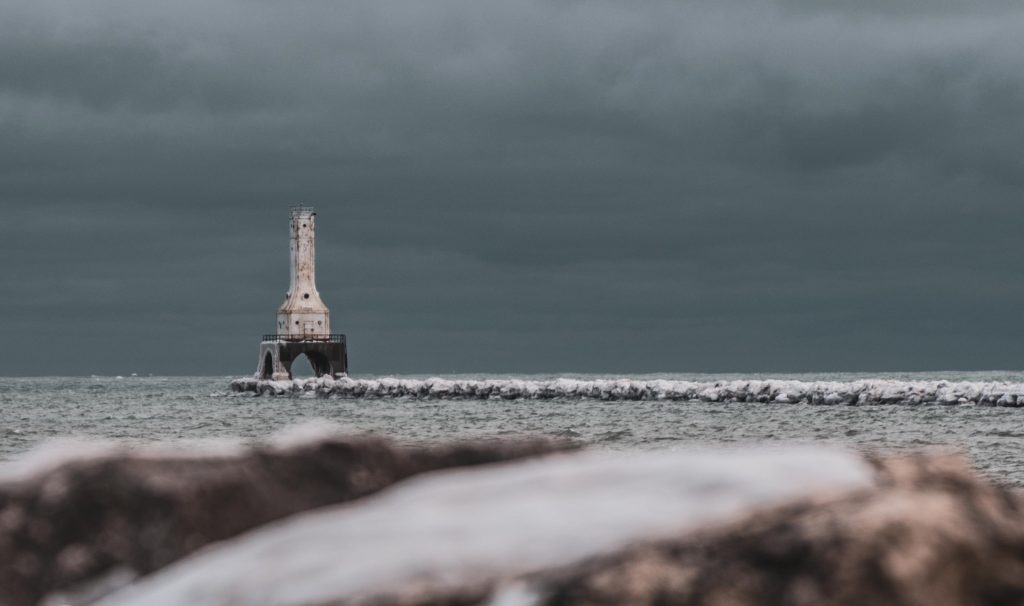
x,y
453,537
784,527
97,518
931,533
792,526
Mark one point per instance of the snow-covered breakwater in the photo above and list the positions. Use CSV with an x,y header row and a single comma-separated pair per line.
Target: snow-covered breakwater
x,y
861,392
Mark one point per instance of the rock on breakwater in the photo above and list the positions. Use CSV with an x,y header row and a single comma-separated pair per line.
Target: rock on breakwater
x,y
781,391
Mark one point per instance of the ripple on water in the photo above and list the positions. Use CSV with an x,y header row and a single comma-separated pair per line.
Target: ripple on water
x,y
163,408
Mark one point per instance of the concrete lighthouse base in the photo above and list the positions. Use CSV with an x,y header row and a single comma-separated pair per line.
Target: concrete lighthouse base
x,y
328,355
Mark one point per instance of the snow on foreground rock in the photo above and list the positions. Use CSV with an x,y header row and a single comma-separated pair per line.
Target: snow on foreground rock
x,y
867,391
457,528
78,520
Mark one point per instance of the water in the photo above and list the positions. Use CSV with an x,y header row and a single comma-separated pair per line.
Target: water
x,y
144,409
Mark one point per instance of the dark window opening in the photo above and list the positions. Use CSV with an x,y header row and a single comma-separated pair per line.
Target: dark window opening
x,y
305,296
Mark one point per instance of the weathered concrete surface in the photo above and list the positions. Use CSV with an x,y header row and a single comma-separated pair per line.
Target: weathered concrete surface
x,y
135,512
303,313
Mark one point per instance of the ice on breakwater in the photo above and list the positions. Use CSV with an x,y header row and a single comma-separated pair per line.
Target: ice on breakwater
x,y
860,392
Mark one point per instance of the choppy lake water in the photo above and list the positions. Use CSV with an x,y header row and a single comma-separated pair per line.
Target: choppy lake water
x,y
143,409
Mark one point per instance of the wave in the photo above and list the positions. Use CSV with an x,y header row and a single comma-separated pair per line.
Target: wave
x,y
780,391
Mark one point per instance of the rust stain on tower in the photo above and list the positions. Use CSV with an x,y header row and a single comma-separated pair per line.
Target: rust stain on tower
x,y
303,321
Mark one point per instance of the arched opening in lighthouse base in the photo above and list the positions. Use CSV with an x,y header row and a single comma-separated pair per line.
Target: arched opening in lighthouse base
x,y
306,364
320,363
302,367
267,367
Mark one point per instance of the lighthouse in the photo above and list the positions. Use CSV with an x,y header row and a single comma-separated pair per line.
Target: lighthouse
x,y
303,320
303,313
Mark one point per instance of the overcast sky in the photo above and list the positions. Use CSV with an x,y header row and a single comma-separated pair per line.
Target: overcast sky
x,y
515,185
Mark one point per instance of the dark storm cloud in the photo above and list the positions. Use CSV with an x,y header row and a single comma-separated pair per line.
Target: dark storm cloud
x,y
518,185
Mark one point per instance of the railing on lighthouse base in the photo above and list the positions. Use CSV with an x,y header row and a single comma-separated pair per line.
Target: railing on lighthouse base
x,y
310,337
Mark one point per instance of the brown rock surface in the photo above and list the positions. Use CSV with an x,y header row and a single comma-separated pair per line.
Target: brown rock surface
x,y
137,512
931,534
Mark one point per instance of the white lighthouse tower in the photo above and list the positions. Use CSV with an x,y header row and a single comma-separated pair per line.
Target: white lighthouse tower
x,y
303,321
303,314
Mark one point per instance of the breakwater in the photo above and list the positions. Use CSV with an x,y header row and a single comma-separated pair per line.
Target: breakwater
x,y
780,391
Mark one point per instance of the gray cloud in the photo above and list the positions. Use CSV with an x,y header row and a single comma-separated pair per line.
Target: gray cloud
x,y
522,186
